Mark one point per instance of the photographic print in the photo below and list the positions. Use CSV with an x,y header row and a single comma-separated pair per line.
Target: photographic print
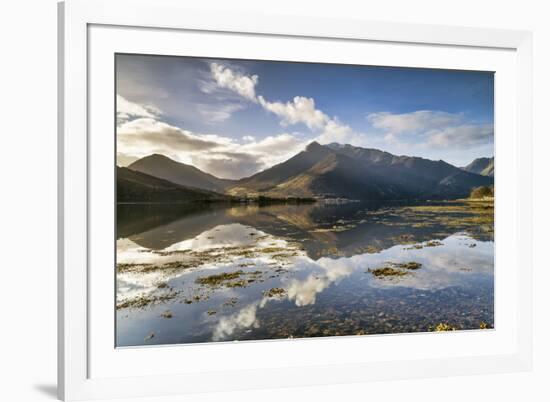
x,y
264,200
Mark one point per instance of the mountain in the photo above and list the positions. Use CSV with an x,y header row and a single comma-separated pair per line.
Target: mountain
x,y
337,175
133,186
416,177
179,173
482,166
336,170
269,178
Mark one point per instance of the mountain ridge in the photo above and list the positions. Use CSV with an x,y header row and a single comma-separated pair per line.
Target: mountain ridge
x,y
331,171
134,186
361,173
163,167
482,166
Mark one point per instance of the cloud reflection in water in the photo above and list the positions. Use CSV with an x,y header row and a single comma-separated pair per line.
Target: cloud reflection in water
x,y
442,266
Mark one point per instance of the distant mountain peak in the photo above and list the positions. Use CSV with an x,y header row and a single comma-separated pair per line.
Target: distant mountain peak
x,y
314,146
163,167
336,145
482,166
156,156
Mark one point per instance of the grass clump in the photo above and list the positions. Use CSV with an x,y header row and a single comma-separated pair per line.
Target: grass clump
x,y
408,265
219,279
387,272
230,279
271,250
395,269
146,300
483,193
433,243
275,292
442,326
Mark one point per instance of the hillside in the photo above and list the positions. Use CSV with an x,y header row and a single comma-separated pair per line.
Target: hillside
x,y
482,166
139,187
269,178
323,171
338,176
179,173
346,171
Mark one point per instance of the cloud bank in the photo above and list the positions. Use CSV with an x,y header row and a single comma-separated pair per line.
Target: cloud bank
x,y
221,156
437,129
127,110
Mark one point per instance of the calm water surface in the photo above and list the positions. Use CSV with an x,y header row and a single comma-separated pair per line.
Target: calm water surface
x,y
206,274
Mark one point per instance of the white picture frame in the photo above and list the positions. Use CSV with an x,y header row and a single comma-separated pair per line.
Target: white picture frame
x,y
89,365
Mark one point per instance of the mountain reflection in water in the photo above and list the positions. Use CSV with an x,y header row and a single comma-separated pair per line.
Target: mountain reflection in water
x,y
247,272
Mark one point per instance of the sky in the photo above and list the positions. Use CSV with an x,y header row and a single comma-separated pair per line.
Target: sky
x,y
233,118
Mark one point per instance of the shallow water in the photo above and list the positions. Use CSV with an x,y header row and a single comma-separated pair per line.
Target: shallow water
x,y
247,272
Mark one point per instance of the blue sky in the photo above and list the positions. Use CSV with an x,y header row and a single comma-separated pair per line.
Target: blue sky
x,y
235,117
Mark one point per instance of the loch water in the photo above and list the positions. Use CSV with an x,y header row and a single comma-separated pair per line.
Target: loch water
x,y
207,273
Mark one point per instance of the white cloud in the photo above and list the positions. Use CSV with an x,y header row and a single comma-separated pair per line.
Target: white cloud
x,y
303,110
124,160
218,155
241,84
299,110
431,129
463,136
127,110
334,131
274,145
145,134
418,121
218,114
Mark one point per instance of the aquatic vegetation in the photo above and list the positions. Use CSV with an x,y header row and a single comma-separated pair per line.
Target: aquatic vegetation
x,y
166,314
146,300
272,250
395,269
418,246
433,243
284,256
334,228
219,279
371,249
275,292
126,267
387,271
408,265
442,326
229,279
231,302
